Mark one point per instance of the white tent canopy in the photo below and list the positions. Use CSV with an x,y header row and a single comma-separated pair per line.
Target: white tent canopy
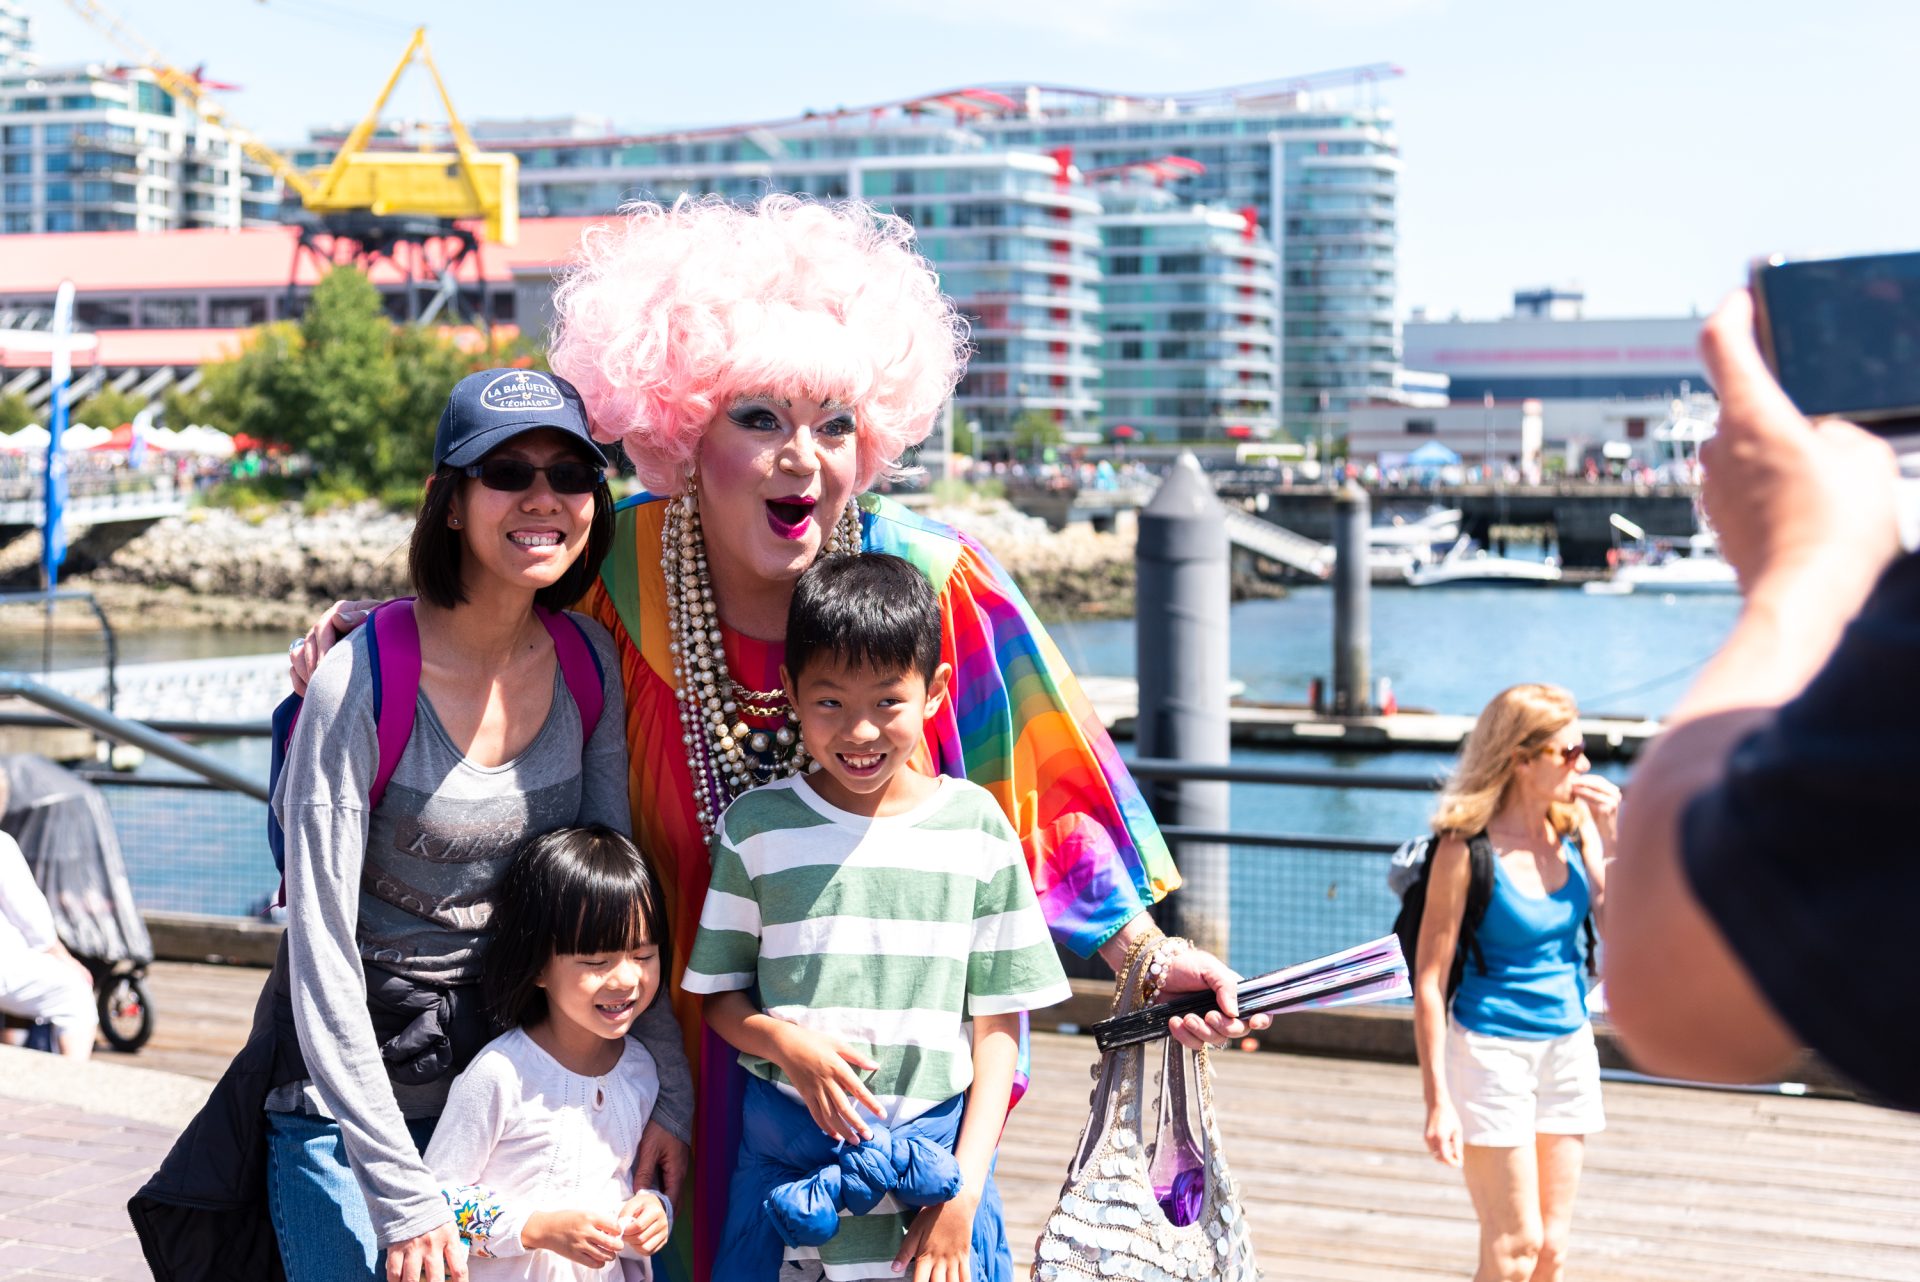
x,y
81,437
208,441
195,439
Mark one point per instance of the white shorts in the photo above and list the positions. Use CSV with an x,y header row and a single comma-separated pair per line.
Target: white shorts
x,y
38,985
1509,1089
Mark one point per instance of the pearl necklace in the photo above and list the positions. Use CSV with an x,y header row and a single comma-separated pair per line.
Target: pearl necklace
x,y
725,756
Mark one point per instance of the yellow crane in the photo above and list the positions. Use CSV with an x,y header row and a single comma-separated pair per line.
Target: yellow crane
x,y
464,184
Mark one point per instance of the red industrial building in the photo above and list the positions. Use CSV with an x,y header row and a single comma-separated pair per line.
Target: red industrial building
x,y
163,304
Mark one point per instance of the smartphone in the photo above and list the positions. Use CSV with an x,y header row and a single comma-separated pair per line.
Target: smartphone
x,y
1843,335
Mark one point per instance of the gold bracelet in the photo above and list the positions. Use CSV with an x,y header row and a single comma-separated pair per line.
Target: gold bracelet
x,y
1163,957
1151,935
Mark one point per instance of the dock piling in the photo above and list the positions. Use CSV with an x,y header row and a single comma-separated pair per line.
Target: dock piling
x,y
1352,621
1183,591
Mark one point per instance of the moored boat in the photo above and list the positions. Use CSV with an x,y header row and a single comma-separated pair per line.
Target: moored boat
x,y
1466,564
1667,570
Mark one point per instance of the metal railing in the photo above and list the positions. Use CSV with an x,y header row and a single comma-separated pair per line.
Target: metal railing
x,y
193,845
196,844
1163,768
1296,895
109,641
133,734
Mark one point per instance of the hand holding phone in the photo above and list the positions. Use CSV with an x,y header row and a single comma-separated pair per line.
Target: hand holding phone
x,y
1794,504
1842,336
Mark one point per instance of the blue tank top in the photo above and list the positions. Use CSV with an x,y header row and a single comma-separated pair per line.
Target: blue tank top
x,y
1535,986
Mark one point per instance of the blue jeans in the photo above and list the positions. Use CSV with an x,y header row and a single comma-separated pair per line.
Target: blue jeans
x,y
319,1213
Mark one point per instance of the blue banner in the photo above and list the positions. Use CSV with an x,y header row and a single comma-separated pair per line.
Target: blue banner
x,y
53,529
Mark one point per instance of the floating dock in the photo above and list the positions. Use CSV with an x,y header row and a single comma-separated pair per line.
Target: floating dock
x,y
1281,725
234,693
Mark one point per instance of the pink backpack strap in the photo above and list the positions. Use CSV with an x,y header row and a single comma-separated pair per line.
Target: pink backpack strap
x,y
579,667
395,639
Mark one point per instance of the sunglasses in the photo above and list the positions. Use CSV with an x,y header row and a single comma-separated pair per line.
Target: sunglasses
x,y
512,475
1568,753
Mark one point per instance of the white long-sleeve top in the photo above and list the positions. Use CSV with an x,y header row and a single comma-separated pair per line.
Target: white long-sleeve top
x,y
26,923
521,1133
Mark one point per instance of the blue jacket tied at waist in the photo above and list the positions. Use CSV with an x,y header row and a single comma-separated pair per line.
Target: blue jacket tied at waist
x,y
916,1168
793,1181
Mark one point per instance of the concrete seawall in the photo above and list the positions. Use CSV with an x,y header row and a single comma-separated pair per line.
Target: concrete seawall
x,y
215,568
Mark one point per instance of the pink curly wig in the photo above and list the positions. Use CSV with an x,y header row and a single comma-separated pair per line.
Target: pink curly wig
x,y
665,317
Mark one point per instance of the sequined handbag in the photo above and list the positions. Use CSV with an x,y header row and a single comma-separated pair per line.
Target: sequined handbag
x,y
1152,1208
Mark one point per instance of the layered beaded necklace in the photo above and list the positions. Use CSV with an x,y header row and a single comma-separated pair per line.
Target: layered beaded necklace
x,y
725,755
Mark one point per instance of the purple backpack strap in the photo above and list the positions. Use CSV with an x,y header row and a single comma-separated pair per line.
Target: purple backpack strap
x,y
396,672
579,666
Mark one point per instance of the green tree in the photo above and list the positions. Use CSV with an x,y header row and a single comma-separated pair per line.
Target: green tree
x,y
15,413
180,408
344,385
347,382
107,408
259,391
1034,432
428,366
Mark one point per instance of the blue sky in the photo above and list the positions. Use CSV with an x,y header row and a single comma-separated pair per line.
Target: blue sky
x,y
1641,150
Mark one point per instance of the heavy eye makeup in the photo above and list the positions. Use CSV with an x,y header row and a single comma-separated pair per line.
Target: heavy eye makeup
x,y
760,418
756,418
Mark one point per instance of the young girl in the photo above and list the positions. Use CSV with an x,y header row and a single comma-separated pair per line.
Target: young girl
x,y
536,1146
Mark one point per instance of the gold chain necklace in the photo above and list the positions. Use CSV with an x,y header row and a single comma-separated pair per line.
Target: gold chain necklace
x,y
725,756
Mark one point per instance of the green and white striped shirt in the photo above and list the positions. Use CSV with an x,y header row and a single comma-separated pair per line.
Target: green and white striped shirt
x,y
886,933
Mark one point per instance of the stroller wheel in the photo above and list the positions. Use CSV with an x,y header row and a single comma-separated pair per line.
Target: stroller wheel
x,y
126,1015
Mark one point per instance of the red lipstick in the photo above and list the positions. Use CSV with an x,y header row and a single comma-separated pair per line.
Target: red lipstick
x,y
791,516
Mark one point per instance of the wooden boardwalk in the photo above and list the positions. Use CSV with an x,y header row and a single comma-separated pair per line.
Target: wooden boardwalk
x,y
1692,1185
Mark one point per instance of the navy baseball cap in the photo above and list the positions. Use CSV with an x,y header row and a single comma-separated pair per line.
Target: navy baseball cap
x,y
495,405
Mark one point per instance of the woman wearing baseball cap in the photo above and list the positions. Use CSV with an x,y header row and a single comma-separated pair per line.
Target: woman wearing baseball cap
x,y
517,729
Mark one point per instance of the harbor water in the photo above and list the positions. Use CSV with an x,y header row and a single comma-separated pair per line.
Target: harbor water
x,y
1445,649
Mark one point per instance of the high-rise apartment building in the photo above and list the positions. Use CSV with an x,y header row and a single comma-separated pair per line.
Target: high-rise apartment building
x,y
16,38
103,148
1011,232
1319,172
1188,321
1015,243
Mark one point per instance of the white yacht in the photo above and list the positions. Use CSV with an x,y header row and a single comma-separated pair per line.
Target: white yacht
x,y
1466,564
1396,550
1438,528
1699,570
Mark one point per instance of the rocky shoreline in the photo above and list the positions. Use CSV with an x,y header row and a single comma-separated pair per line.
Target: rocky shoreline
x,y
216,568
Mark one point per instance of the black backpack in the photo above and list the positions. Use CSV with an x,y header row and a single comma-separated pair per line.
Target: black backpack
x,y
1413,905
1417,856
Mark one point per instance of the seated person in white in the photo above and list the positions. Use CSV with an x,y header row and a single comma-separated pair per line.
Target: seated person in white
x,y
39,978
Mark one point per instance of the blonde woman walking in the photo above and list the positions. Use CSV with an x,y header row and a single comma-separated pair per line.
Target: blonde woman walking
x,y
1507,1060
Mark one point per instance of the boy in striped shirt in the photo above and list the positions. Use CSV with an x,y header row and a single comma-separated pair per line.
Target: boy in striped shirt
x,y
856,918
